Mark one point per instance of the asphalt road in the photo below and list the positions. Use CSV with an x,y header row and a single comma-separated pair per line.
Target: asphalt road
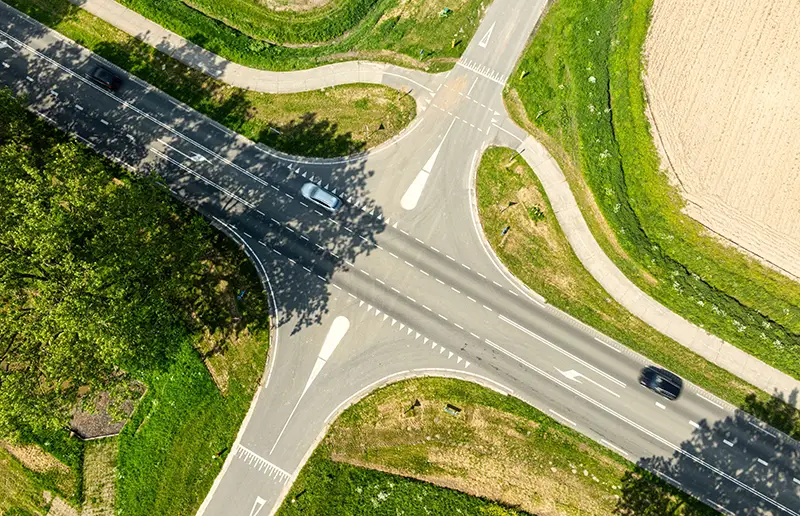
x,y
399,282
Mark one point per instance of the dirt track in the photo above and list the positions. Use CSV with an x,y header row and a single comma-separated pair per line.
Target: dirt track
x,y
723,80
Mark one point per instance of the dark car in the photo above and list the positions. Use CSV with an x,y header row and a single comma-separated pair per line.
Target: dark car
x,y
105,78
662,382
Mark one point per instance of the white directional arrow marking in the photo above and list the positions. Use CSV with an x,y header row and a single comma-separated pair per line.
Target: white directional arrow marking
x,y
574,375
257,506
414,192
485,39
571,374
335,335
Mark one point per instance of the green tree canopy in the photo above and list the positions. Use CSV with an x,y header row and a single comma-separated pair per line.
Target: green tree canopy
x,y
93,267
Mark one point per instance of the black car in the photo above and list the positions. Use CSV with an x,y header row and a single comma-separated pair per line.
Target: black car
x,y
661,381
105,78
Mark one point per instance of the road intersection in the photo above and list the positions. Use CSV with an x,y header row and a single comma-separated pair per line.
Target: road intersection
x,y
398,283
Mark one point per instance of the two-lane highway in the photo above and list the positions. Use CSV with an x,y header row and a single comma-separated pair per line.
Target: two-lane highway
x,y
397,283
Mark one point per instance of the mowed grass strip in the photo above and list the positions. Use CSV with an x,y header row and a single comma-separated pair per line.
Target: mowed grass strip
x,y
496,448
99,477
334,122
578,88
409,33
536,251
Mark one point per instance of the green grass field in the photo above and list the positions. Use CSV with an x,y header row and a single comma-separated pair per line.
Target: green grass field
x,y
335,122
397,31
536,251
583,97
507,456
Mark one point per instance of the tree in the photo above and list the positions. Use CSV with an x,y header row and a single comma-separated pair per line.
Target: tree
x,y
95,269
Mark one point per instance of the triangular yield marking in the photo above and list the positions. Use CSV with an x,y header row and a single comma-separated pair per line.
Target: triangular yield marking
x,y
459,359
402,326
304,174
441,350
449,354
394,225
369,308
433,345
409,331
360,303
466,365
372,213
385,316
377,312
416,336
394,321
425,341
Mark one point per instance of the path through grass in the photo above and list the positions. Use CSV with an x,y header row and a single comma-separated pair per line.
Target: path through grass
x,y
584,98
538,253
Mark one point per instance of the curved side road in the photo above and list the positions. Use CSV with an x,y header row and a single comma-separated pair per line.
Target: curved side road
x,y
417,82
421,84
626,293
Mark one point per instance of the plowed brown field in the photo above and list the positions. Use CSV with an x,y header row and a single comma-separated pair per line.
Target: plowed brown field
x,y
723,82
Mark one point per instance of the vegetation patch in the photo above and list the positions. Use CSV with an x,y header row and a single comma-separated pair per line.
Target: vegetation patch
x,y
85,242
321,123
416,33
582,93
509,457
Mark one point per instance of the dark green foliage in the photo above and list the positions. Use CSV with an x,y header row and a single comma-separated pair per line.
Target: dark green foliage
x,y
585,90
92,266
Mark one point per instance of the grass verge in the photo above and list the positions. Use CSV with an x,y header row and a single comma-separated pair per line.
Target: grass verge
x,y
583,95
496,448
348,118
536,251
406,32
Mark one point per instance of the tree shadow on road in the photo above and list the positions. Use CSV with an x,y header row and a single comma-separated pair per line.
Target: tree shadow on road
x,y
721,469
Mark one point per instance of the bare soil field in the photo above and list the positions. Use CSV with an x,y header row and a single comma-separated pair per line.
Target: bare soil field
x,y
723,85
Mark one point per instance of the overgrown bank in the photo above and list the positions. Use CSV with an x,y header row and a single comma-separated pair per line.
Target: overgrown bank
x,y
578,87
509,457
414,33
335,122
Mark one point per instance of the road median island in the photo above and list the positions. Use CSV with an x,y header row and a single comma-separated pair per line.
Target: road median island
x,y
510,458
195,329
349,119
535,250
428,35
583,97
